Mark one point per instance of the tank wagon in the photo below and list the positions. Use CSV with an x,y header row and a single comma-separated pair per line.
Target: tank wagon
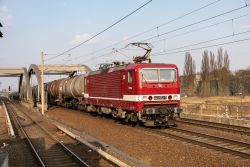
x,y
145,93
67,92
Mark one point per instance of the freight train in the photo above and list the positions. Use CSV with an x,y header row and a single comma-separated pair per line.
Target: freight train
x,y
145,93
148,93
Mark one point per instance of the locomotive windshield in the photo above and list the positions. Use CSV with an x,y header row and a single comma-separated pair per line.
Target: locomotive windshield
x,y
158,75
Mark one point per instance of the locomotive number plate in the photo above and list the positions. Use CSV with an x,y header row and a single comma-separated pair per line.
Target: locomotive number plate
x,y
160,97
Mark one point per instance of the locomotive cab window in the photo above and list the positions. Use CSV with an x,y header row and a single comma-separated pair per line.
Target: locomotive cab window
x,y
149,75
158,75
167,75
130,76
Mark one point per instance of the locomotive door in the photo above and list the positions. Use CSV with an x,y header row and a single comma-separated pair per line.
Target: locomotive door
x,y
129,84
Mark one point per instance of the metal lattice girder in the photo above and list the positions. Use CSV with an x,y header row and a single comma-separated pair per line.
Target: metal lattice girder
x,y
10,72
24,78
62,69
55,70
24,83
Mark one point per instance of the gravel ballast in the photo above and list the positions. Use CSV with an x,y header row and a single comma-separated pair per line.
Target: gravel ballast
x,y
150,149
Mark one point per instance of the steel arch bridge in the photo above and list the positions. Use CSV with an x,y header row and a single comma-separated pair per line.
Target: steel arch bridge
x,y
24,88
24,85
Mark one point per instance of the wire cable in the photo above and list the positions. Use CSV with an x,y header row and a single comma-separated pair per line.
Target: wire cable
x,y
203,47
195,23
211,40
101,31
156,27
192,24
201,28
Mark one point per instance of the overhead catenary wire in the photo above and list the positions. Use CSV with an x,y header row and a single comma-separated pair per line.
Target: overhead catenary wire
x,y
246,2
207,41
202,47
114,50
178,18
168,51
195,23
171,37
94,36
152,29
236,9
202,28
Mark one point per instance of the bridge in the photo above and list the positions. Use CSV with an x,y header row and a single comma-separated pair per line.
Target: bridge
x,y
24,85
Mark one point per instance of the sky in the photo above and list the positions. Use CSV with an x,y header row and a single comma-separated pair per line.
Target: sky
x,y
31,27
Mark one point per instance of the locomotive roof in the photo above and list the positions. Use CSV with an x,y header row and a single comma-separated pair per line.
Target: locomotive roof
x,y
133,66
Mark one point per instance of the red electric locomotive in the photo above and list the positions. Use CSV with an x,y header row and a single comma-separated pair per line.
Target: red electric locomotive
x,y
148,93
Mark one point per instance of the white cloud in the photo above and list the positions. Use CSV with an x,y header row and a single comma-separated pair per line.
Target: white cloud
x,y
83,37
5,15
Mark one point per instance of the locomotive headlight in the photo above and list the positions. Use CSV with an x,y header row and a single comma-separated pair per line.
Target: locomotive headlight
x,y
150,98
175,97
170,97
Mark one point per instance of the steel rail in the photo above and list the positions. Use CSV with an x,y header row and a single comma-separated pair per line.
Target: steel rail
x,y
217,147
76,133
91,139
56,140
26,136
239,143
214,125
172,132
102,153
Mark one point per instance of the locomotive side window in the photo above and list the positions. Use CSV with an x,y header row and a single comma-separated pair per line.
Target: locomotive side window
x,y
130,76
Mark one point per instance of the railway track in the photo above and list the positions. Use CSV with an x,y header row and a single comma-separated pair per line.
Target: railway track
x,y
19,154
47,149
95,156
225,145
212,125
230,146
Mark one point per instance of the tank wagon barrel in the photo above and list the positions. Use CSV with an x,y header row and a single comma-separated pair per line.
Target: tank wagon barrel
x,y
70,87
54,87
73,87
66,91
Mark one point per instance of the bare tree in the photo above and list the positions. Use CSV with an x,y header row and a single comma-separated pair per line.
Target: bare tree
x,y
205,70
220,59
225,75
189,73
226,61
213,76
213,65
189,65
234,85
242,79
